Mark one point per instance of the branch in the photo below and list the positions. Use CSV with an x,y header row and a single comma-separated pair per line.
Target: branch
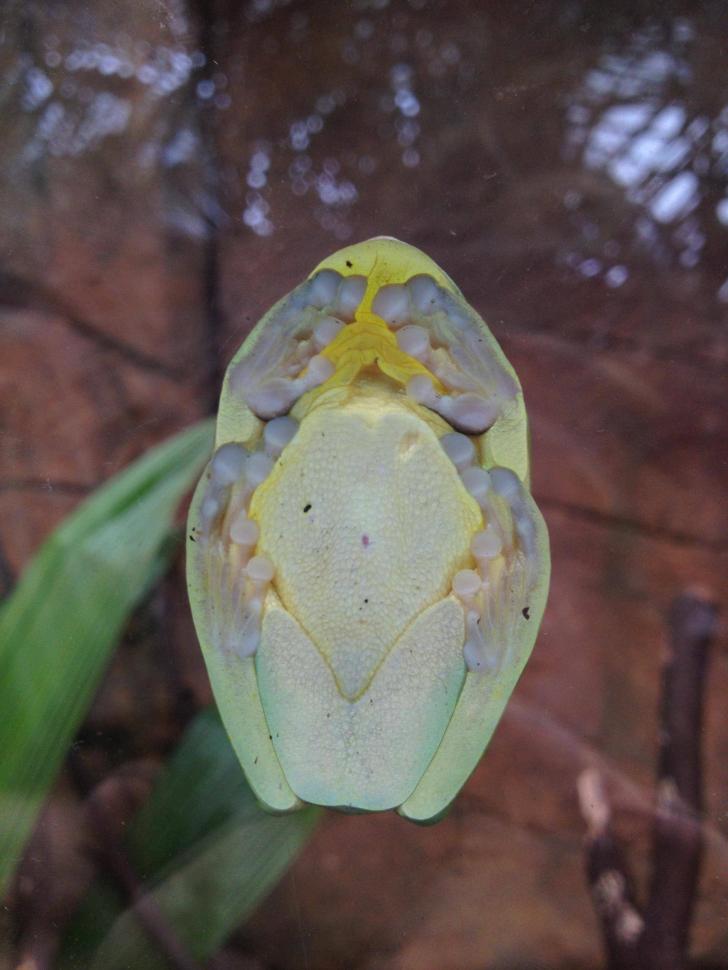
x,y
677,840
658,939
611,886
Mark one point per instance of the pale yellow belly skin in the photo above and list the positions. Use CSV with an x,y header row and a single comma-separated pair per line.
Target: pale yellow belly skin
x,y
366,521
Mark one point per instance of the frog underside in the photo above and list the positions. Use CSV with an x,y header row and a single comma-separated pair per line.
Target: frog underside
x,y
362,627
362,567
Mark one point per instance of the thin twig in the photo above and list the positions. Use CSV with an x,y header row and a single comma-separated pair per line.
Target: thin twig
x,y
677,841
658,939
608,877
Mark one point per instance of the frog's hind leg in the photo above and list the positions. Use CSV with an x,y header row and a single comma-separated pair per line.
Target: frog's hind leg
x,y
496,593
503,597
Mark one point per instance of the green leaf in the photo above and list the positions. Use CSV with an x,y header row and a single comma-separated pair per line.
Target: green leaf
x,y
60,624
207,852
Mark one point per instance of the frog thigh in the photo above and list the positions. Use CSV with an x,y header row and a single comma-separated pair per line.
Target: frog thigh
x,y
483,697
234,684
366,754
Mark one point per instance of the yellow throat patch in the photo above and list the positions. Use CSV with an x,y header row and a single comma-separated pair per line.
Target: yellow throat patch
x,y
367,342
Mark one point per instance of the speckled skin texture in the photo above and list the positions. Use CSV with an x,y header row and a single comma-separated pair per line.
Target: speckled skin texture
x,y
365,520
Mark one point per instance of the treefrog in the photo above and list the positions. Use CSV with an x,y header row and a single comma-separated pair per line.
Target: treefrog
x,y
367,568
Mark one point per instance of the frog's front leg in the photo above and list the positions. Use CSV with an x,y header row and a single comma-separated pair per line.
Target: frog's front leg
x,y
500,597
288,361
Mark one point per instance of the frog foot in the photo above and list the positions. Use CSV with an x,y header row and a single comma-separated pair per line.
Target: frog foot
x,y
228,536
495,593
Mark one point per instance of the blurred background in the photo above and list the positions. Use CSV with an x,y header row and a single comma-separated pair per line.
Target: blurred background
x,y
169,169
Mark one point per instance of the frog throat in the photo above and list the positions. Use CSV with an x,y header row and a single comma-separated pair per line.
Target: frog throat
x,y
365,343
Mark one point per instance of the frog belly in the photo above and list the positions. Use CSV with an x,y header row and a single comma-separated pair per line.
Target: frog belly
x,y
366,521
